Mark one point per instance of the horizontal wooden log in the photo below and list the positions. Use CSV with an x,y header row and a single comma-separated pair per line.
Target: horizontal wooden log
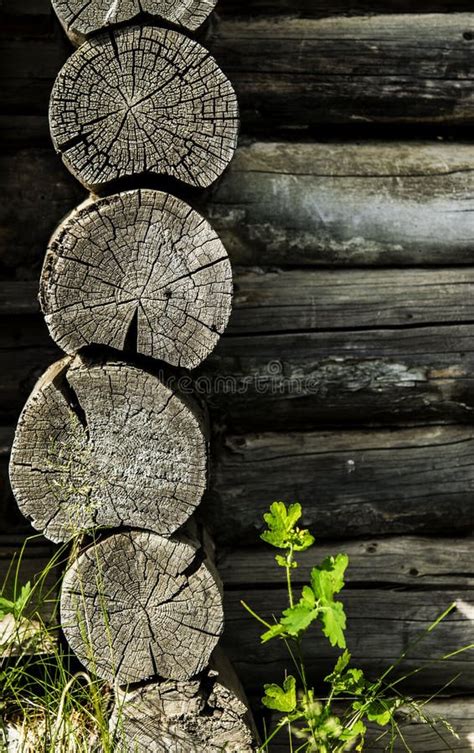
x,y
420,737
105,444
353,483
300,72
296,380
136,606
414,562
305,8
285,204
411,561
380,626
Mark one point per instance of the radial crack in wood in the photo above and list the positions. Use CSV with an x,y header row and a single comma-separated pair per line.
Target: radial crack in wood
x,y
80,18
142,254
105,445
137,605
185,717
139,100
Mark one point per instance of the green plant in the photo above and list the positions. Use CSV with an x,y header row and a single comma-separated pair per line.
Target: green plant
x,y
48,704
313,721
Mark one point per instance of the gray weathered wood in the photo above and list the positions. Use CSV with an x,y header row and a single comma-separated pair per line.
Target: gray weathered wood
x,y
107,445
304,8
141,258
410,561
80,20
376,69
369,204
346,204
419,737
380,625
350,483
136,606
143,100
296,380
299,72
279,300
207,714
265,300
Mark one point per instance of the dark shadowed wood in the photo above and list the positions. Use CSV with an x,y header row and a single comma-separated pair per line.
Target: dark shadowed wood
x,y
350,483
420,737
376,69
403,561
409,561
305,8
286,204
159,104
107,444
210,714
279,300
139,258
137,605
299,72
380,625
295,380
81,19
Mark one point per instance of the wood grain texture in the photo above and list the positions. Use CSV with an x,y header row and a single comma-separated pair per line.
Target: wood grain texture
x,y
286,204
376,69
304,8
208,714
82,19
136,606
410,562
140,259
380,625
143,99
295,380
350,483
107,445
404,561
291,72
278,300
419,737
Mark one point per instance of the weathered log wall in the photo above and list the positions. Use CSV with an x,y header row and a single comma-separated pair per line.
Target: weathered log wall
x,y
345,378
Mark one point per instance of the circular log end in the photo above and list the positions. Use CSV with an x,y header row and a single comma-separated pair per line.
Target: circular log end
x,y
143,100
143,260
182,717
105,445
136,606
80,19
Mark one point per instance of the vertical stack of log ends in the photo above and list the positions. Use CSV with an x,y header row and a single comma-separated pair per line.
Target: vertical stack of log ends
x,y
136,282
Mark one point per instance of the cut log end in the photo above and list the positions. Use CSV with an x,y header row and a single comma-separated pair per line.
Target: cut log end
x,y
143,100
137,606
105,445
81,19
182,717
139,261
